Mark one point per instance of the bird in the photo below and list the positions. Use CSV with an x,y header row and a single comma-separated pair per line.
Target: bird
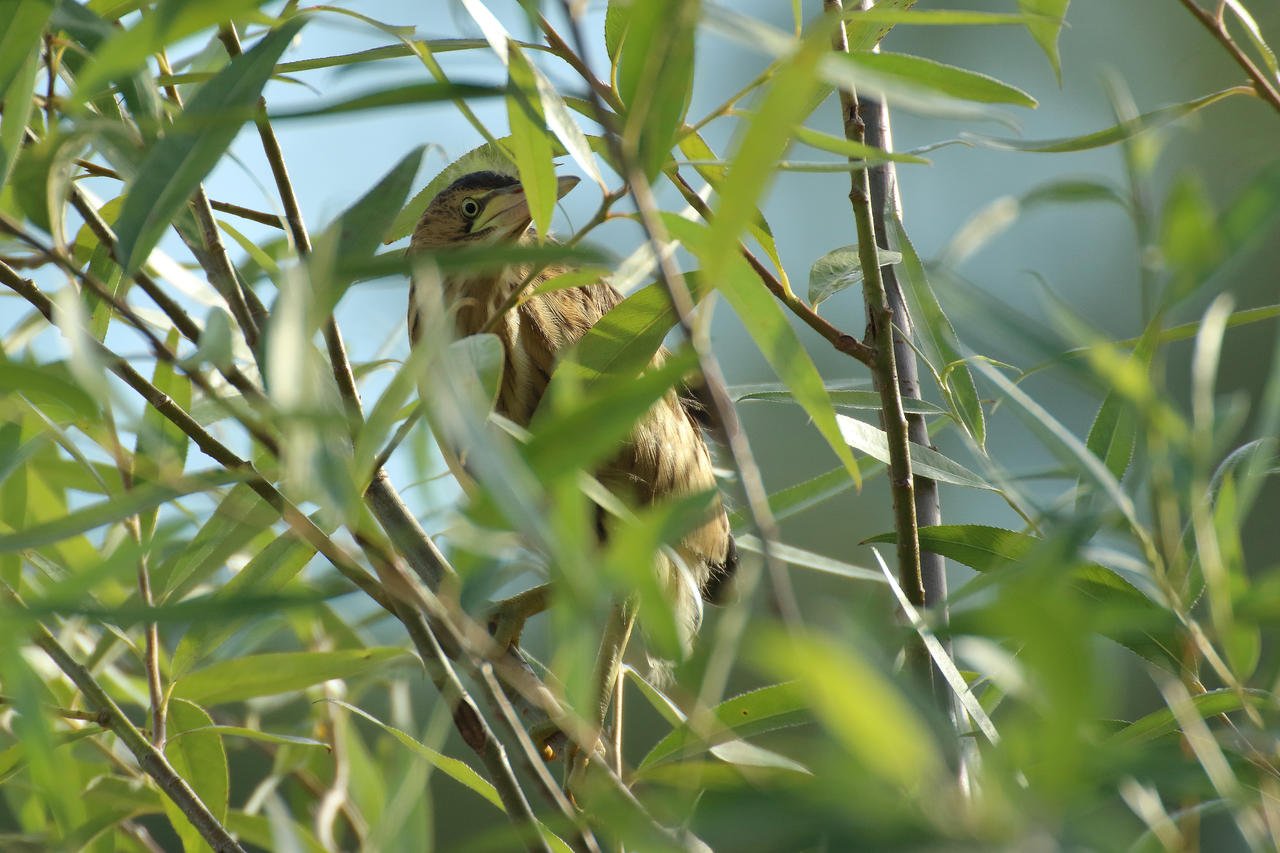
x,y
666,454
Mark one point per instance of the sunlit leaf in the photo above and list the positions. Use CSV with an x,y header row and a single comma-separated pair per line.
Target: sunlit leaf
x,y
277,672
752,713
925,461
1047,28
839,269
201,761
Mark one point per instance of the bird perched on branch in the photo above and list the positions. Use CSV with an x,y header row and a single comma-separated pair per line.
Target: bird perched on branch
x,y
665,455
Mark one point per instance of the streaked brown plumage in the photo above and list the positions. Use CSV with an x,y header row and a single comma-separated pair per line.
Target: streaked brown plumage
x,y
665,454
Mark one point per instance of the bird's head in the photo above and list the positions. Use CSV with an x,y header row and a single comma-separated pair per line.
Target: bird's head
x,y
480,207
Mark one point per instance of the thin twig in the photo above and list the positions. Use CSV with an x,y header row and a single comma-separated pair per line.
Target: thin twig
x,y
1266,88
885,370
99,171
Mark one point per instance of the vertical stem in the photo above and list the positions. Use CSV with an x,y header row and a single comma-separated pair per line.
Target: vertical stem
x,y
880,323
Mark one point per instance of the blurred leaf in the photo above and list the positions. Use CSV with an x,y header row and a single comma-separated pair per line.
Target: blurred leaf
x,y
809,560
1209,704
530,143
800,497
869,400
51,386
752,713
1144,626
616,18
839,269
1046,30
580,435
457,770
179,161
1112,135
655,74
17,83
128,48
1190,239
415,93
277,672
199,759
937,337
239,517
94,515
859,705
772,333
622,342
160,450
925,462
891,70
864,31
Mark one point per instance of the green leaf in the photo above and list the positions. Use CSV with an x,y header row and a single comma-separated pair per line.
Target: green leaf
x,y
842,398
925,462
238,519
252,734
1191,242
137,500
655,75
1209,704
397,96
18,67
809,560
459,771
755,712
160,450
51,386
1046,29
197,754
938,338
277,672
179,161
1112,135
866,28
1143,625
529,141
768,327
859,705
839,269
128,48
894,70
849,148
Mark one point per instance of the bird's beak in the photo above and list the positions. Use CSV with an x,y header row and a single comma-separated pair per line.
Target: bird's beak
x,y
506,211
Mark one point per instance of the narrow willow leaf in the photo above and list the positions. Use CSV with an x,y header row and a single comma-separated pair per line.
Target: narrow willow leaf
x,y
530,143
925,462
1143,625
51,386
772,333
847,399
16,87
1209,704
98,514
891,70
252,734
179,161
416,93
766,709
459,771
809,560
859,705
849,148
655,75
882,14
1255,35
20,39
1046,28
238,519
278,672
839,269
161,447
201,761
1112,135
127,49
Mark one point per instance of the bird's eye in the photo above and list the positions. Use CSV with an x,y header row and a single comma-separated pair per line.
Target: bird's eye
x,y
470,208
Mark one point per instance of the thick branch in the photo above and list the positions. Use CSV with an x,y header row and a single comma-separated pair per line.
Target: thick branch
x,y
885,371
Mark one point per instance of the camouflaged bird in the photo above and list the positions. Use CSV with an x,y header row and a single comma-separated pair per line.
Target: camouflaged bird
x,y
665,455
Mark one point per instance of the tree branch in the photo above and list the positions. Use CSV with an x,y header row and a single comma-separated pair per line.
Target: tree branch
x,y
1265,87
885,371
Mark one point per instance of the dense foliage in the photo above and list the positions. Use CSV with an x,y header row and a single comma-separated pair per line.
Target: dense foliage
x,y
221,625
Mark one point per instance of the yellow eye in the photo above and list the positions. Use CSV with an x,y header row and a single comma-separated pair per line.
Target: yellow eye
x,y
470,208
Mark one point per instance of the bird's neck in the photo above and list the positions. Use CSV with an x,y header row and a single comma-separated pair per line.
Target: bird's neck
x,y
478,296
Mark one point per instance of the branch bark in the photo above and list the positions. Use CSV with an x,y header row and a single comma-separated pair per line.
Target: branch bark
x,y
880,330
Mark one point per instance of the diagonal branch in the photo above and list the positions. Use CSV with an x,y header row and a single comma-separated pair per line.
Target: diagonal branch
x,y
1263,85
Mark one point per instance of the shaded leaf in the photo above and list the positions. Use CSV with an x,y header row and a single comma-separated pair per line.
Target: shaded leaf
x,y
278,672
839,269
